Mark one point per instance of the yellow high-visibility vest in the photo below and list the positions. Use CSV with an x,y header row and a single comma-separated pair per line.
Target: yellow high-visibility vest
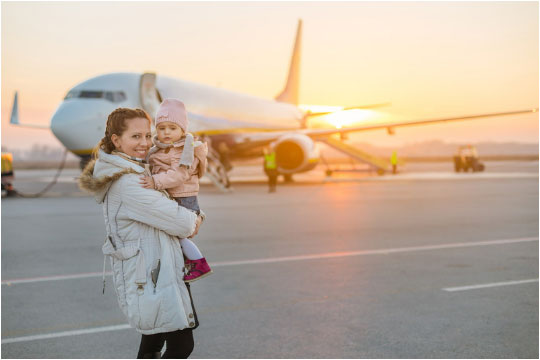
x,y
270,161
393,159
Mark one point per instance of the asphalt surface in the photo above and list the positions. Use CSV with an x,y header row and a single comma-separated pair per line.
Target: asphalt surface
x,y
355,267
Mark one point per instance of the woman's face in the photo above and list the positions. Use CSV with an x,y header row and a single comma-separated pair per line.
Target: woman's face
x,y
136,139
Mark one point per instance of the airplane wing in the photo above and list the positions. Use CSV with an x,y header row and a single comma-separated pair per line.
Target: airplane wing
x,y
15,116
315,133
251,140
311,114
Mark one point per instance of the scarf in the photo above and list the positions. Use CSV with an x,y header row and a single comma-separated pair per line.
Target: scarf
x,y
188,153
141,162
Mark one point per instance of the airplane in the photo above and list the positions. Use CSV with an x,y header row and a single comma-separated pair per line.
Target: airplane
x,y
238,126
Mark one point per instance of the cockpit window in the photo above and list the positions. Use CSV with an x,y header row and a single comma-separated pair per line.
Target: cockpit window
x,y
72,94
91,94
112,96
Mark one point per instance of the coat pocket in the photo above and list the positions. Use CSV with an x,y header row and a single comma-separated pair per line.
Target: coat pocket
x,y
149,309
124,253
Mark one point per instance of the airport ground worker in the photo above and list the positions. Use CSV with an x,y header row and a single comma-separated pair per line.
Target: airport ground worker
x,y
270,168
142,226
393,161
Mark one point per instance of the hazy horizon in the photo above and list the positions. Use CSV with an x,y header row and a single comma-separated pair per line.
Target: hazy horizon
x,y
426,149
430,59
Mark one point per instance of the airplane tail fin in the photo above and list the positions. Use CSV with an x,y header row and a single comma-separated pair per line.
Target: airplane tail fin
x,y
14,120
290,92
15,110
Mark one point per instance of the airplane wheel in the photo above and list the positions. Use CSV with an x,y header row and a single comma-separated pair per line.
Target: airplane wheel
x,y
287,178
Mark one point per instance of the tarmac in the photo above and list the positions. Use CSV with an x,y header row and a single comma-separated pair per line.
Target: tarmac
x,y
423,264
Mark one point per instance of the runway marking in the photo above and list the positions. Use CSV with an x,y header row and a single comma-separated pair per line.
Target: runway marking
x,y
482,286
374,252
66,333
439,176
53,278
294,258
265,261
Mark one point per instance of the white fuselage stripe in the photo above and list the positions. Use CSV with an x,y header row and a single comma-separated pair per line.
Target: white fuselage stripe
x,y
295,258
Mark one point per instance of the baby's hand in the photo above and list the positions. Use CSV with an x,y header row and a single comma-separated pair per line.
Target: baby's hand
x,y
147,182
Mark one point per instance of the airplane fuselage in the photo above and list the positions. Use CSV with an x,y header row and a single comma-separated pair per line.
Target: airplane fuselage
x,y
79,121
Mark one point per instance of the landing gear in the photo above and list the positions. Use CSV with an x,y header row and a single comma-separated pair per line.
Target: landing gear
x,y
287,178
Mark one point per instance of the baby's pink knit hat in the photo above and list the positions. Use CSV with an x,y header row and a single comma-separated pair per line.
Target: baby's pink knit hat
x,y
174,111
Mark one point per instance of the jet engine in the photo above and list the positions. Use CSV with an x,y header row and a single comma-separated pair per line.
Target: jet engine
x,y
295,153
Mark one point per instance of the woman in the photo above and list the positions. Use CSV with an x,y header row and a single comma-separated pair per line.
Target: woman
x,y
141,225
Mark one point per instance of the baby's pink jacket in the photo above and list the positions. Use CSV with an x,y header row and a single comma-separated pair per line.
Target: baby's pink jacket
x,y
179,181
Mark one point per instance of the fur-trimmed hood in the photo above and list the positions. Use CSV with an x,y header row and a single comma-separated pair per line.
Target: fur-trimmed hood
x,y
99,174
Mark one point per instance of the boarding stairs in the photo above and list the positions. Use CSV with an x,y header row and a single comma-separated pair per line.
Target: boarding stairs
x,y
216,172
379,164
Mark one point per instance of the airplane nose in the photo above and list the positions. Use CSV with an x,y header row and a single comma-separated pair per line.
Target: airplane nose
x,y
79,125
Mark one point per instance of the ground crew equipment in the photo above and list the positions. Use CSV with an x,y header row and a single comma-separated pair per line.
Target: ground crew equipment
x,y
7,175
467,158
7,164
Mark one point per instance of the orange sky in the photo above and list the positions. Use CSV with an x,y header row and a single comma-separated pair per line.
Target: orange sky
x,y
430,59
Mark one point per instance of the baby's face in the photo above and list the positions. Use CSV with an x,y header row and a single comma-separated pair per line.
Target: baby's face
x,y
168,132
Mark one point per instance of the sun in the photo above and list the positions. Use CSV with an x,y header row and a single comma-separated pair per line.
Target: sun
x,y
348,118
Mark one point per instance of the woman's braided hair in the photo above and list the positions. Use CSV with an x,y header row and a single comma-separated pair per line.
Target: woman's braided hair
x,y
116,124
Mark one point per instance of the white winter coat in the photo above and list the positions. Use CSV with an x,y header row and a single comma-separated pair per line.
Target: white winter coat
x,y
142,225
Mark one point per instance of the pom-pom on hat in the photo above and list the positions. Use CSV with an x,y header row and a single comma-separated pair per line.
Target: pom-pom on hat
x,y
174,111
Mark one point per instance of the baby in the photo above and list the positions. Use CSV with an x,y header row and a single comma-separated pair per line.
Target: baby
x,y
177,162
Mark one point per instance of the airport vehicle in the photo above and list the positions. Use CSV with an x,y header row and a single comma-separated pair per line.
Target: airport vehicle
x,y
7,175
467,158
239,126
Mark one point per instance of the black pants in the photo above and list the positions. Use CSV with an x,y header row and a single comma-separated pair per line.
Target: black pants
x,y
179,344
272,179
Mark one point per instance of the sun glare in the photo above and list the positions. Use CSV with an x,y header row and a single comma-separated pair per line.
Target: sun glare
x,y
339,118
348,118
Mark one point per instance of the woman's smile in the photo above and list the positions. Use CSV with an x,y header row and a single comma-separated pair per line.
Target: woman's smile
x,y
136,139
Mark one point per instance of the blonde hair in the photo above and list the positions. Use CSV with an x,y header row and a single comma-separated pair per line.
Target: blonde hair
x,y
116,124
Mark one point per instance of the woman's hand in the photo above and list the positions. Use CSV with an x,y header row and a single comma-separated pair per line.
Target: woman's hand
x,y
197,226
147,182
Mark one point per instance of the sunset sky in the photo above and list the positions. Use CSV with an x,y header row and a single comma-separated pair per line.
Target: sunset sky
x,y
429,59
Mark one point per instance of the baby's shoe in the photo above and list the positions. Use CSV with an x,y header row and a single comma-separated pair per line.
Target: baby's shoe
x,y
196,269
